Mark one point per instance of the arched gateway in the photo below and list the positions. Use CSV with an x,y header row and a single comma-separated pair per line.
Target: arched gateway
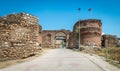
x,y
58,38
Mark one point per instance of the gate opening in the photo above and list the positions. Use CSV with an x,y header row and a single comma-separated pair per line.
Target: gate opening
x,y
60,41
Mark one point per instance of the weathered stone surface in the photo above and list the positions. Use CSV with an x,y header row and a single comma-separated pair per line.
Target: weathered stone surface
x,y
90,33
18,36
10,53
73,41
54,38
109,41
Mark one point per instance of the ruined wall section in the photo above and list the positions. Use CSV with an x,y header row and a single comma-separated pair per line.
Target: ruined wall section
x,y
18,36
40,36
73,41
90,33
48,37
109,41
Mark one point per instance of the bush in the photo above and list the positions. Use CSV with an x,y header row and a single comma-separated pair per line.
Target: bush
x,y
114,53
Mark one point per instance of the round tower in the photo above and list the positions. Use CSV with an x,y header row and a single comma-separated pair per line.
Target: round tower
x,y
90,32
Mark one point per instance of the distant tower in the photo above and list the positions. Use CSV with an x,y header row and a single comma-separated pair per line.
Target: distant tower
x,y
90,32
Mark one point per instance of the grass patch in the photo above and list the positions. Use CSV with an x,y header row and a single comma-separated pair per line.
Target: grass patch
x,y
113,55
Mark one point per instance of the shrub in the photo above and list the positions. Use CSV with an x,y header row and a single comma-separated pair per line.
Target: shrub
x,y
114,53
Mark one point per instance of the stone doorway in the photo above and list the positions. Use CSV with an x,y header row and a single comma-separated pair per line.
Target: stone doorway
x,y
60,41
55,38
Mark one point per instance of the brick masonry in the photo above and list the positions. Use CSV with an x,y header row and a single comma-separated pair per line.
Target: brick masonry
x,y
49,38
18,36
109,41
90,33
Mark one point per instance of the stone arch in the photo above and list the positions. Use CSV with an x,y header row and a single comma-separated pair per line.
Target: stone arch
x,y
61,33
60,39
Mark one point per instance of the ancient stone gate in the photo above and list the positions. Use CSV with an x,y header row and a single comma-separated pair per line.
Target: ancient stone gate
x,y
55,38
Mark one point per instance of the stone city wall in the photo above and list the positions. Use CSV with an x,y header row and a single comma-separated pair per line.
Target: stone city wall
x,y
90,33
49,38
109,41
18,36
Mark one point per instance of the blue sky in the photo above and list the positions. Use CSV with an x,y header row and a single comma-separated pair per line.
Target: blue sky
x,y
62,14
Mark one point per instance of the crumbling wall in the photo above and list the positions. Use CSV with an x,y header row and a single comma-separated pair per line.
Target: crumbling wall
x,y
109,41
49,37
73,41
18,36
90,33
40,36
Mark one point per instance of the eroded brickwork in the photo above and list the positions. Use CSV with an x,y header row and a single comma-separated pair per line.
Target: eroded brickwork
x,y
90,33
54,38
18,36
109,41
